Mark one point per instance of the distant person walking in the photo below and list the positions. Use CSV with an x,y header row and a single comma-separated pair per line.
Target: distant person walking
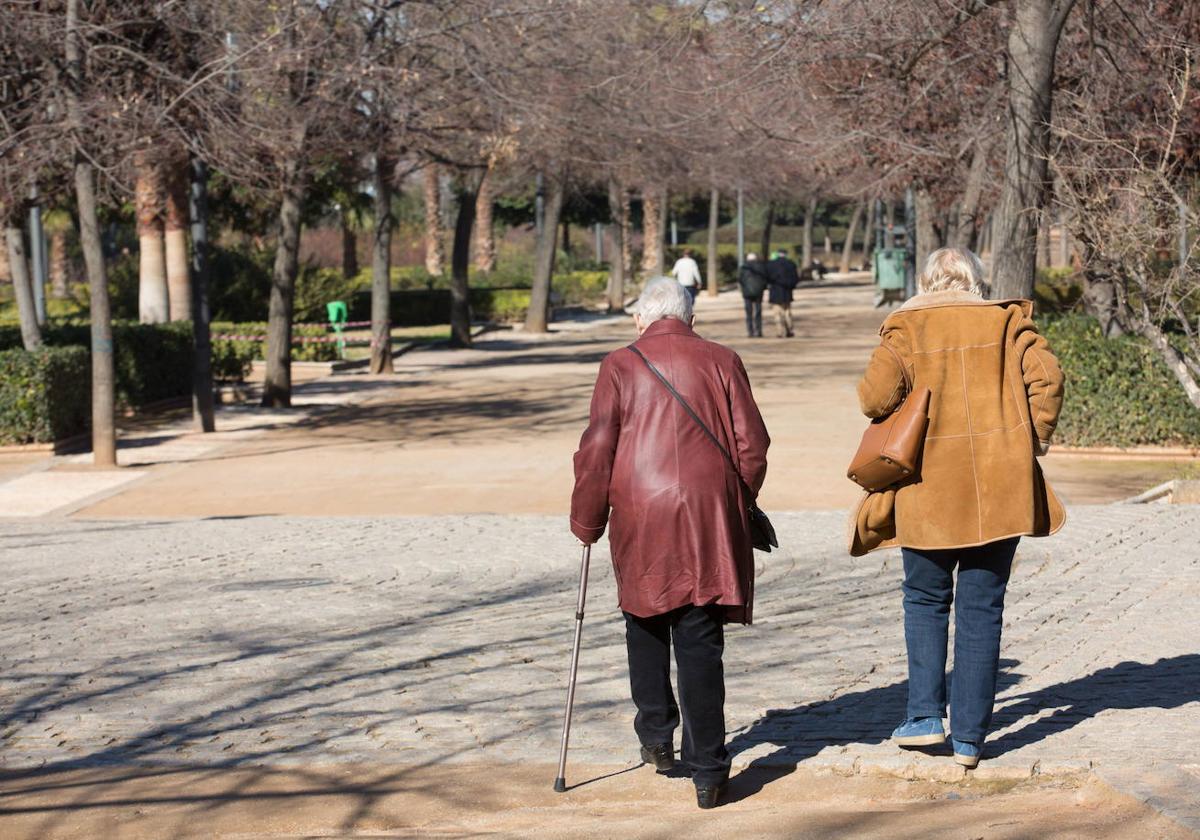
x,y
687,272
752,278
680,536
783,278
996,393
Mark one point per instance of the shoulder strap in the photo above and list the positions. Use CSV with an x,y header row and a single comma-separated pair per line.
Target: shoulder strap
x,y
691,414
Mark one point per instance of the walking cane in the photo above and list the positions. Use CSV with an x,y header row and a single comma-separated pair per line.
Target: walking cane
x,y
560,784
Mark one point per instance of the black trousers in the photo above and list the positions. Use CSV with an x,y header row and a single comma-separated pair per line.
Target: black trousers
x,y
753,316
698,636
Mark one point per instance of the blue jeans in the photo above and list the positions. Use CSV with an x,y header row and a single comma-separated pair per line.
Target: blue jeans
x,y
929,591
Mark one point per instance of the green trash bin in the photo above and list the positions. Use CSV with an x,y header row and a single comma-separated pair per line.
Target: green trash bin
x,y
339,314
891,265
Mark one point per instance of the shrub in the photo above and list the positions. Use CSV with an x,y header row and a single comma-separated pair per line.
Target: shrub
x,y
232,357
500,304
240,284
1057,290
151,362
315,287
44,395
581,287
1118,392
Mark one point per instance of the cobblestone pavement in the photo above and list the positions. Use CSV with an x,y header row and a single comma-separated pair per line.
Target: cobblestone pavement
x,y
422,640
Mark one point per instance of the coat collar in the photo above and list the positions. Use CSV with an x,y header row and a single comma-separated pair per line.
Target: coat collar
x,y
955,297
668,326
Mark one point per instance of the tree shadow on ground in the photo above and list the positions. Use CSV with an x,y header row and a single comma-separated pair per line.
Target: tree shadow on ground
x,y
859,717
1165,684
867,717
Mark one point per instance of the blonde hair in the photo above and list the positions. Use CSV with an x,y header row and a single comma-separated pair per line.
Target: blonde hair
x,y
952,269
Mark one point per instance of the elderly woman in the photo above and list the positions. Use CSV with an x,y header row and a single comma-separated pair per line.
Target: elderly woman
x,y
996,393
679,534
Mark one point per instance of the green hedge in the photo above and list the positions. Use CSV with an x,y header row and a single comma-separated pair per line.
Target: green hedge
x,y
44,395
1118,392
426,307
151,362
232,358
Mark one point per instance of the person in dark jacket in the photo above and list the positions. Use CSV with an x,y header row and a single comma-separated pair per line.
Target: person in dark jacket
x,y
783,277
752,277
680,533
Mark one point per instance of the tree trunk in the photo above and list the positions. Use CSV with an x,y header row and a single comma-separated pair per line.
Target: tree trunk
x,y
202,379
618,204
381,267
1043,245
1032,44
985,236
59,271
543,258
460,257
485,234
153,305
626,235
566,238
768,226
104,437
868,234
179,279
435,248
652,232
968,225
810,213
5,272
31,333
349,246
714,221
927,238
1173,358
848,245
277,386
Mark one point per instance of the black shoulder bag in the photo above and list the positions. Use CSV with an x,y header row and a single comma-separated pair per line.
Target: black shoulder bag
x,y
762,532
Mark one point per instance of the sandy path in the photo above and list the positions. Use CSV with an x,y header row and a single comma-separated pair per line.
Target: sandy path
x,y
458,802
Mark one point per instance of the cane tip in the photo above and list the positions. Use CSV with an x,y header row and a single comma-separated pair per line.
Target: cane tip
x,y
560,785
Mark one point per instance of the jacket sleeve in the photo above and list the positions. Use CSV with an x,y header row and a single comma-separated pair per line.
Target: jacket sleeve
x,y
594,458
1043,381
749,430
882,386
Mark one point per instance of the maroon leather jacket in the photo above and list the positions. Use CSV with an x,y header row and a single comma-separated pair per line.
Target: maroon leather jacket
x,y
679,532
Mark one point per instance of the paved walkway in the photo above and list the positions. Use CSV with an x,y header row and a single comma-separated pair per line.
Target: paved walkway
x,y
452,431
368,578
428,640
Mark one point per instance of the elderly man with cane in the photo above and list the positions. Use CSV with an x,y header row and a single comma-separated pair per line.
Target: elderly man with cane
x,y
676,449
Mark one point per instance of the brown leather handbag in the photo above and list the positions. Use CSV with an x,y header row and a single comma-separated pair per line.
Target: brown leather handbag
x,y
891,446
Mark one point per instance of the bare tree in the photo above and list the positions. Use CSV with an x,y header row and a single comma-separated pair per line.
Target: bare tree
x,y
618,208
848,244
714,219
104,439
1032,46
435,237
543,259
18,265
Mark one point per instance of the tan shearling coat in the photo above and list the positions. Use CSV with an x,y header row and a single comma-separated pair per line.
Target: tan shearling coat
x,y
996,392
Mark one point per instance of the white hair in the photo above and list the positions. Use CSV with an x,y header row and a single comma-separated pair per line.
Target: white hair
x,y
663,297
952,268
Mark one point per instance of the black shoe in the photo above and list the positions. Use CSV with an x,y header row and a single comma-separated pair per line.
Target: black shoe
x,y
662,756
709,796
